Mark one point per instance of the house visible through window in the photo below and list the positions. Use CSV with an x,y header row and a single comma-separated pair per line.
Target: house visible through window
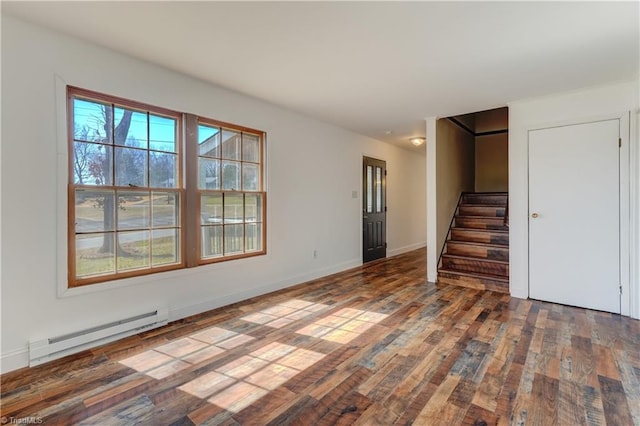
x,y
230,199
127,210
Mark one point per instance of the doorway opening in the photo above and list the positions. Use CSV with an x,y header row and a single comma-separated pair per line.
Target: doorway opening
x,y
472,200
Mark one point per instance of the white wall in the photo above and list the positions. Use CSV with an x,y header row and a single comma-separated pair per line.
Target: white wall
x,y
312,169
432,205
574,107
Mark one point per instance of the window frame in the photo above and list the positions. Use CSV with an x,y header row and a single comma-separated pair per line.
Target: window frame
x,y
193,187
188,225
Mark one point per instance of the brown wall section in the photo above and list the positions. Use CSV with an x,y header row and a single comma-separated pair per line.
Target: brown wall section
x,y
492,120
492,163
492,151
455,164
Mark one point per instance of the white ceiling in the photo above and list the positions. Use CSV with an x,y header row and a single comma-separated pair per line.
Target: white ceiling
x,y
371,67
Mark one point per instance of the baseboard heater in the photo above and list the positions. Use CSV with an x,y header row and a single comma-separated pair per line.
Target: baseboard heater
x,y
41,351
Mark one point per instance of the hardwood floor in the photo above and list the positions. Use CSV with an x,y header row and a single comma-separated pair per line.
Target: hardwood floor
x,y
375,345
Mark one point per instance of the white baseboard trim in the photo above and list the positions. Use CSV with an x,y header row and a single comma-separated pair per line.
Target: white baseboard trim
x,y
14,359
19,358
187,311
519,292
405,249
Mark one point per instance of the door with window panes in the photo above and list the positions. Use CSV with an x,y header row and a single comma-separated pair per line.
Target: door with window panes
x,y
374,209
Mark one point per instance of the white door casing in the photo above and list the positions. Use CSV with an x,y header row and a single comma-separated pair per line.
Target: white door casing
x,y
574,215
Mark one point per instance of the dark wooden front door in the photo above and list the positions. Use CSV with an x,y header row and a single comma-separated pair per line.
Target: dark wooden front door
x,y
374,209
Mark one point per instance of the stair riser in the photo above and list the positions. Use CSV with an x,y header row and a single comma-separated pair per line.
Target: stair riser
x,y
484,211
480,237
486,199
472,282
478,251
476,266
481,223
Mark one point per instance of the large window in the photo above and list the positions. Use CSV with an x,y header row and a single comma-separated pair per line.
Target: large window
x,y
229,185
127,191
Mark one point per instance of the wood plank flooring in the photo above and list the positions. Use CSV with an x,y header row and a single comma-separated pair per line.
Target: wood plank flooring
x,y
375,345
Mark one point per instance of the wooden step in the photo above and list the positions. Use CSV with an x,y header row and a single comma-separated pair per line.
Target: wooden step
x,y
476,281
480,236
485,198
474,265
479,222
481,210
478,250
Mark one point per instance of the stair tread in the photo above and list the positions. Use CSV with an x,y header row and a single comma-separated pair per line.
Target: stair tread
x,y
459,216
481,259
474,275
473,243
480,223
499,231
485,193
498,206
505,245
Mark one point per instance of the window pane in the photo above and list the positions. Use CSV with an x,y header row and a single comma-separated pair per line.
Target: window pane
x,y
95,254
134,149
250,148
250,176
208,141
164,246
233,208
211,241
166,208
131,167
253,208
162,133
94,211
91,164
378,189
133,250
253,237
233,239
133,210
231,175
91,121
369,189
130,128
163,170
209,173
211,209
230,145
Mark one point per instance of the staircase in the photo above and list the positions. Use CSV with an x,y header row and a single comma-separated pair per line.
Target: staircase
x,y
476,253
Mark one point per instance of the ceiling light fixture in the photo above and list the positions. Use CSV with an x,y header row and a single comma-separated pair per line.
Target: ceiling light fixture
x,y
417,141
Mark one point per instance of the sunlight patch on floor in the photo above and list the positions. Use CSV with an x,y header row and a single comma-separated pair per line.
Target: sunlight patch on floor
x,y
284,313
240,382
168,359
237,384
342,326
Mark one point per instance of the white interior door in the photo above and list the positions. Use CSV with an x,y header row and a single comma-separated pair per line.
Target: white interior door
x,y
574,215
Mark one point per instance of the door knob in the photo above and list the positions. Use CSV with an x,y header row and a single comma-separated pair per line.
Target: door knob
x,y
534,215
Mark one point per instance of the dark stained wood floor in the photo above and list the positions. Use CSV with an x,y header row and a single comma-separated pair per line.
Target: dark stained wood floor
x,y
375,345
